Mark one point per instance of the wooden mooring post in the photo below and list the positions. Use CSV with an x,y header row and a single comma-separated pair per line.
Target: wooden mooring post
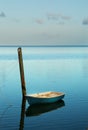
x,y
21,71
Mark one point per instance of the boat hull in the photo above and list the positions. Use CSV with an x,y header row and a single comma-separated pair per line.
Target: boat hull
x,y
39,100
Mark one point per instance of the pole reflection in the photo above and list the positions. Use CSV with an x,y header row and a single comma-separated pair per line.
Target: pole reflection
x,y
21,127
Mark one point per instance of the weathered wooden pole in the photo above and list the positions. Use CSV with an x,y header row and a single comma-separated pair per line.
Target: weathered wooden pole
x,y
21,72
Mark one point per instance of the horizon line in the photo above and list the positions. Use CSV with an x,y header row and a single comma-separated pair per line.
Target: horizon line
x,y
43,45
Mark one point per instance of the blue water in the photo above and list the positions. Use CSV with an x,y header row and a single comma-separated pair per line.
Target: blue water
x,y
62,69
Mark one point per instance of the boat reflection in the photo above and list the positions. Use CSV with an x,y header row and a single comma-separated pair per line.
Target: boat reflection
x,y
38,109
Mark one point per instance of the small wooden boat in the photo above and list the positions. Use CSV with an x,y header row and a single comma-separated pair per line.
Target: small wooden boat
x,y
38,109
46,97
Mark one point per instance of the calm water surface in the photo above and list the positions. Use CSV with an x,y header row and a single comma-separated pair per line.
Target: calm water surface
x,y
46,69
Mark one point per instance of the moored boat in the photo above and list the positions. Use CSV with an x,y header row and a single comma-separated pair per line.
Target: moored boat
x,y
45,97
39,98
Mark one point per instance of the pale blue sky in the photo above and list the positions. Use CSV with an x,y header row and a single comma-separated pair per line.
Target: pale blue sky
x,y
44,22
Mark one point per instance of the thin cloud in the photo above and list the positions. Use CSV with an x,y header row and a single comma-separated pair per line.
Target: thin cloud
x,y
54,16
61,23
39,21
85,21
16,20
2,14
65,17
